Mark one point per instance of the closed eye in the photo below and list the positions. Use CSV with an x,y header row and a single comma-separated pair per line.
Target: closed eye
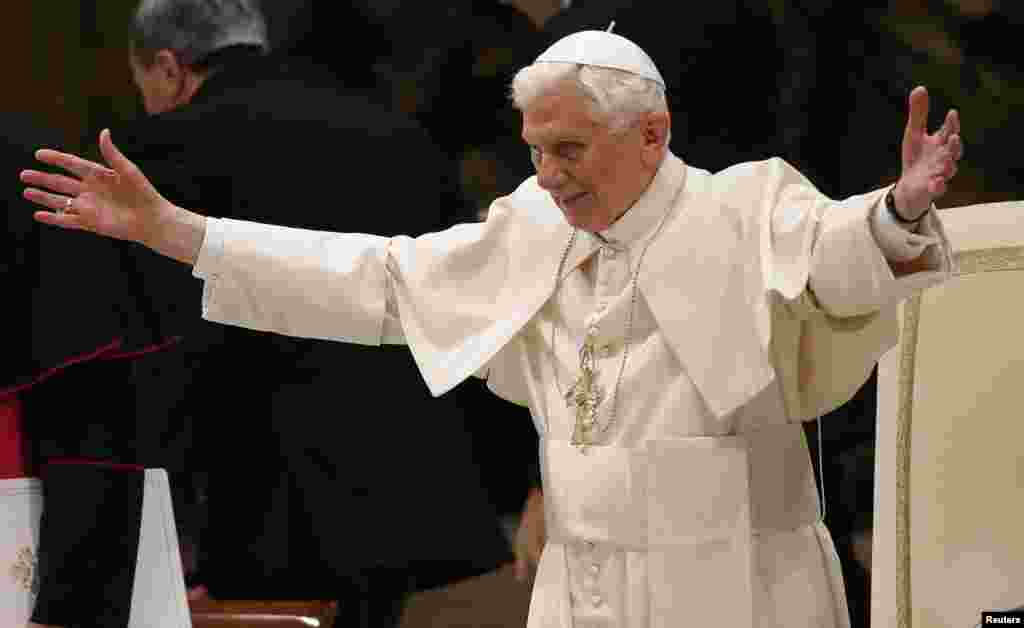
x,y
569,151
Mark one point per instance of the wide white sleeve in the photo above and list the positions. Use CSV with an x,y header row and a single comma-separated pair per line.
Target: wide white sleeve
x,y
850,271
506,373
898,243
832,291
297,282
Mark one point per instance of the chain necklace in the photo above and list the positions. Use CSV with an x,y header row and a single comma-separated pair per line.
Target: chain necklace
x,y
585,395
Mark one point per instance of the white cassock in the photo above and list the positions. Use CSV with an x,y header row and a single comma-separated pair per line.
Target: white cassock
x,y
761,303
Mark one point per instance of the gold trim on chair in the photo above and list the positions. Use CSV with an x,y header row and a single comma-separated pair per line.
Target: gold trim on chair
x,y
966,263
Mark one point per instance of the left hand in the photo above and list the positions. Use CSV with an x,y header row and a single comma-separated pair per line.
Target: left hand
x,y
929,161
530,536
198,593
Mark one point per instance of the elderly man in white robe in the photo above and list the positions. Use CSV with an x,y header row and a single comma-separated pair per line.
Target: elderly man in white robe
x,y
668,329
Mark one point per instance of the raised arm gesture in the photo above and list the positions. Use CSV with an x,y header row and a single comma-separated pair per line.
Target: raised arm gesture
x,y
116,201
929,160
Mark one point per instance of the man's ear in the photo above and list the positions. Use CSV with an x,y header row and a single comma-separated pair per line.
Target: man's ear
x,y
656,129
655,138
169,66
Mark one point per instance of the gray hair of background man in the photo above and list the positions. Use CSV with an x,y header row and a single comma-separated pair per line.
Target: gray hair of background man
x,y
616,95
194,29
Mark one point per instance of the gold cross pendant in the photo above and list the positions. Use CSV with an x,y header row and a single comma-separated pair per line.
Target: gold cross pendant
x,y
584,397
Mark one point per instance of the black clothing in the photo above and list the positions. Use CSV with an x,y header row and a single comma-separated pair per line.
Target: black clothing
x,y
59,299
324,460
89,543
65,324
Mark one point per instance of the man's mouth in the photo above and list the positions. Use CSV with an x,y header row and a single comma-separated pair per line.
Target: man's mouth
x,y
571,199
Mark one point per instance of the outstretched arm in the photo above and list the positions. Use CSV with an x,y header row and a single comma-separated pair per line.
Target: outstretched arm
x,y
929,161
900,249
289,281
116,201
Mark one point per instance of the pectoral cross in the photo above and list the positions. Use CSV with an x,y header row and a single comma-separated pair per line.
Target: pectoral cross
x,y
585,396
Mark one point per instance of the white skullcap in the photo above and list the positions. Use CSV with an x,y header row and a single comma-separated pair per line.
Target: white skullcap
x,y
604,49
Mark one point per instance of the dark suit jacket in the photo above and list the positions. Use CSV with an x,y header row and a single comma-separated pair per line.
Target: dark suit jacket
x,y
66,320
64,324
59,306
325,459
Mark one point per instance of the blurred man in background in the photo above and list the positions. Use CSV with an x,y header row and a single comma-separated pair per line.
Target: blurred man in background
x,y
289,501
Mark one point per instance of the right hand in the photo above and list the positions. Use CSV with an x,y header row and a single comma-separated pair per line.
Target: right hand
x,y
118,202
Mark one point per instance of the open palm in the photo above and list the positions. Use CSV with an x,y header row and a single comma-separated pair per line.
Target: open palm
x,y
118,201
929,160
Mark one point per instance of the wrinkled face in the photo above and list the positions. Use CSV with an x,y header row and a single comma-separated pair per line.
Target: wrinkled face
x,y
592,173
159,84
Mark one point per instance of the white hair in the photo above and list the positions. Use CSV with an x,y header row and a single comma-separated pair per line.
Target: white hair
x,y
616,95
196,28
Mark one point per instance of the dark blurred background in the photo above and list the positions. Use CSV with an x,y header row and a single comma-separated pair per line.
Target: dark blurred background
x,y
821,83
837,74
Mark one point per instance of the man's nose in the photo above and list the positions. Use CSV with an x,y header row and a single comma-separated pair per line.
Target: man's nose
x,y
550,174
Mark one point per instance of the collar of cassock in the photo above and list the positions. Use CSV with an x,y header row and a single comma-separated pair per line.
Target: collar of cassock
x,y
642,218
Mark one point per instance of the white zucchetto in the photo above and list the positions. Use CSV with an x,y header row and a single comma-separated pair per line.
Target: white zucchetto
x,y
603,49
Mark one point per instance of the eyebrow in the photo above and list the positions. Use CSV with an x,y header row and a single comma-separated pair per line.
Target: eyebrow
x,y
568,138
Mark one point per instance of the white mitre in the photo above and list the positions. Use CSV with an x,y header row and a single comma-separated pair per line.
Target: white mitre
x,y
604,49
